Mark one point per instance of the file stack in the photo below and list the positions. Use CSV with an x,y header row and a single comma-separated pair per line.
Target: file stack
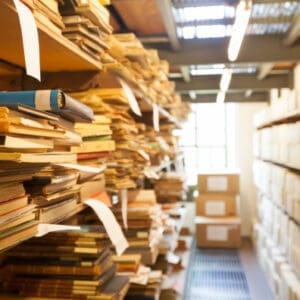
x,y
126,164
33,145
65,265
170,187
217,222
47,12
87,25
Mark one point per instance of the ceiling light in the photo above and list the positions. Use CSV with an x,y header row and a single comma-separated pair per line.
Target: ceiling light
x,y
243,12
220,97
225,79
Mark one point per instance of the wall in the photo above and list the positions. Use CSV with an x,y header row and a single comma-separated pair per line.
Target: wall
x,y
244,152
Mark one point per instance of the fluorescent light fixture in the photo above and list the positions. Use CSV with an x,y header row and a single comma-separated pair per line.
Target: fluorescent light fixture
x,y
193,95
243,12
220,97
225,79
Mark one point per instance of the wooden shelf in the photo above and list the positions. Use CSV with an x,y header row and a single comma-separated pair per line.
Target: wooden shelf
x,y
288,118
57,52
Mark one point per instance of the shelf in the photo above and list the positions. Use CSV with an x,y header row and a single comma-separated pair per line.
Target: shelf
x,y
57,52
146,106
284,165
290,117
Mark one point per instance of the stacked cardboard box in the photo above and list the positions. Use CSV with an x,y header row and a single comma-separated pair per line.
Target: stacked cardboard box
x,y
217,221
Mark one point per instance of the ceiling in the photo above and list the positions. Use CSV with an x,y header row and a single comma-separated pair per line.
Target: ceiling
x,y
193,35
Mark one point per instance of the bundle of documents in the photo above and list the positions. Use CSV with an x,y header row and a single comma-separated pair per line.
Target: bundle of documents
x,y
86,24
170,187
54,192
46,12
17,219
126,164
143,223
68,265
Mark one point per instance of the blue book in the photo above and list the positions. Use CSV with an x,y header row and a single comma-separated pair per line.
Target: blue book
x,y
50,100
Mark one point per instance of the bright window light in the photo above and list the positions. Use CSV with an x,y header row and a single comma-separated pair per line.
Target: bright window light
x,y
243,13
212,31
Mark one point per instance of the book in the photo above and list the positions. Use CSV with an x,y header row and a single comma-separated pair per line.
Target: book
x,y
50,100
51,157
13,204
9,191
13,142
7,126
94,146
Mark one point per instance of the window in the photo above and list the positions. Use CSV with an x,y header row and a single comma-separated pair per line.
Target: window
x,y
207,139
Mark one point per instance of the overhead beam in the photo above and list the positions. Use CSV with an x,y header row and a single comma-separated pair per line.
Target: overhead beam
x,y
230,21
214,51
238,81
234,97
294,32
200,3
165,7
264,70
185,71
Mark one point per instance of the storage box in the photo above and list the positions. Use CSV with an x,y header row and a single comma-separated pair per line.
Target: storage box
x,y
218,232
216,205
219,182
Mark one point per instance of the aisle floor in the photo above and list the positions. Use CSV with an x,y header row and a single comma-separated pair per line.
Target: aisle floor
x,y
224,274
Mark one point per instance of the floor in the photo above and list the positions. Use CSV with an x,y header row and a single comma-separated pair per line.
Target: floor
x,y
256,282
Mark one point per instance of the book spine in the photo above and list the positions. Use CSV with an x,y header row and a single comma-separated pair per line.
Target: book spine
x,y
40,99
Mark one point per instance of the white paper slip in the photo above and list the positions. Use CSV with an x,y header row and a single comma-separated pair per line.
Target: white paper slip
x,y
155,117
215,208
131,98
124,200
30,40
144,154
110,224
44,229
172,258
216,233
217,183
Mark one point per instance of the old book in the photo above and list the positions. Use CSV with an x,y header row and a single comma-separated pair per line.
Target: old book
x,y
6,126
57,212
35,189
17,221
10,191
14,214
50,100
18,234
13,204
51,157
94,146
91,188
87,130
13,142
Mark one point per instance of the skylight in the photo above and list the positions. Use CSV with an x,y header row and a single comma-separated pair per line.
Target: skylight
x,y
190,14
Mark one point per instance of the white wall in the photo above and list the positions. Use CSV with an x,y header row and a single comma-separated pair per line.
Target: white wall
x,y
244,152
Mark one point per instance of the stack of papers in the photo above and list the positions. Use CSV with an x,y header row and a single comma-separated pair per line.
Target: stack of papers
x,y
87,25
71,264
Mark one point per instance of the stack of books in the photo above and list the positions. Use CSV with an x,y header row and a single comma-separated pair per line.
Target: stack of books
x,y
65,265
87,25
47,12
170,187
126,164
144,224
34,144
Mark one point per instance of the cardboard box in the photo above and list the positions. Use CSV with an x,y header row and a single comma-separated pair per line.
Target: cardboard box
x,y
218,232
219,182
216,205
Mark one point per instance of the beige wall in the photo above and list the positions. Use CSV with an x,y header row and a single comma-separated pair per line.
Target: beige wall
x,y
244,152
